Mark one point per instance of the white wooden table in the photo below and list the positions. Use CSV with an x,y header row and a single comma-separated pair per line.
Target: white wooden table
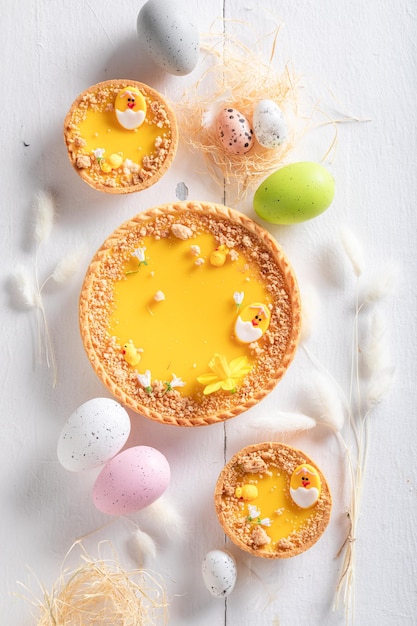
x,y
356,57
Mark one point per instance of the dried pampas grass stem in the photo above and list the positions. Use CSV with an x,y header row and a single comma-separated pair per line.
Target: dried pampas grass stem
x,y
347,414
372,375
65,268
27,292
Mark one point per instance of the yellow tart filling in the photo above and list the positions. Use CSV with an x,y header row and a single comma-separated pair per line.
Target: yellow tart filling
x,y
178,308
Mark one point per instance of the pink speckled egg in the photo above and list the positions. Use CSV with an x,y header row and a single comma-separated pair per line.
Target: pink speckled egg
x,y
131,481
234,131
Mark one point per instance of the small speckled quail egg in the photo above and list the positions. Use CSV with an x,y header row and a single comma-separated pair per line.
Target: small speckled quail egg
x,y
219,573
234,131
269,124
93,434
168,37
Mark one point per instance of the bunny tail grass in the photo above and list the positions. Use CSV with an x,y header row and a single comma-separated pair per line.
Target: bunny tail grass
x,y
44,213
23,292
353,249
144,545
281,422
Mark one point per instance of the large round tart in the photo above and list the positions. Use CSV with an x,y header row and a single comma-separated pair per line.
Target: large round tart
x,y
121,136
190,313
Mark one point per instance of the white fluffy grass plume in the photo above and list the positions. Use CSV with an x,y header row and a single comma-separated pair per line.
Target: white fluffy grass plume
x,y
353,249
23,291
67,266
378,361
382,284
310,309
273,424
144,546
326,401
44,213
163,515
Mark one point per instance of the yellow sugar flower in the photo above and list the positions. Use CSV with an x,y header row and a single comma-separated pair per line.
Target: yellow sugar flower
x,y
224,375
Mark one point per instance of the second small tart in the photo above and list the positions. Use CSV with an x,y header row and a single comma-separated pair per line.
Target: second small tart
x,y
272,500
121,136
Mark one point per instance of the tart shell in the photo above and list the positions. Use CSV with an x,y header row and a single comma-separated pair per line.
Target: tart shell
x,y
228,405
98,182
289,458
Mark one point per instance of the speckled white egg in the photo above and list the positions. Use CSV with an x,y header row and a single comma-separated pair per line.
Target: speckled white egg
x,y
131,481
93,434
234,131
168,36
269,125
219,573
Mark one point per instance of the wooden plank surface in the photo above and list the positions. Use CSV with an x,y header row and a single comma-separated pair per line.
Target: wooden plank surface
x,y
355,62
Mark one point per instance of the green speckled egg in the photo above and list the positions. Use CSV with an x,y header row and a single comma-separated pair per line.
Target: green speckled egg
x,y
295,193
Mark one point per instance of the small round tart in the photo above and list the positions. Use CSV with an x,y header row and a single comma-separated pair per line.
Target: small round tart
x,y
190,313
121,136
272,501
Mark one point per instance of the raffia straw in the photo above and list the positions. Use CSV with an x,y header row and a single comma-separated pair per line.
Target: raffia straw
x,y
241,79
101,591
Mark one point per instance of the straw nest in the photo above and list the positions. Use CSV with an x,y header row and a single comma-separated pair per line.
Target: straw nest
x,y
102,592
237,78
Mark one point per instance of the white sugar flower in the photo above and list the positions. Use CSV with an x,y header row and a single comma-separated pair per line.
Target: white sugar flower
x,y
254,512
98,153
175,382
266,521
238,297
145,381
139,253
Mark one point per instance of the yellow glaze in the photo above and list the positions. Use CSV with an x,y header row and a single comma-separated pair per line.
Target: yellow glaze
x,y
196,320
101,131
274,503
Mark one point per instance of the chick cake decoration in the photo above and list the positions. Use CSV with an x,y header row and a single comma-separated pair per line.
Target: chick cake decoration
x,y
305,486
121,136
252,323
130,108
190,313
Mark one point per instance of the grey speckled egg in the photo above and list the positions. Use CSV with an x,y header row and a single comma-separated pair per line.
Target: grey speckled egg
x,y
93,434
269,124
219,573
168,37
